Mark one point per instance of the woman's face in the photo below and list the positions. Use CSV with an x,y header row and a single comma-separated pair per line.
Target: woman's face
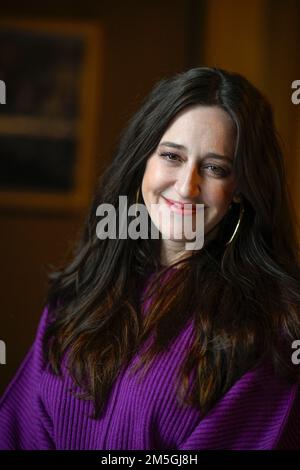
x,y
191,164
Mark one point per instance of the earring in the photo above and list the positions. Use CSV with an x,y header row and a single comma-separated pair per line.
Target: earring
x,y
136,200
242,210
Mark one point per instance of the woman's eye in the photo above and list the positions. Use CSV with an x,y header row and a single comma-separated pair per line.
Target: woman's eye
x,y
169,156
217,170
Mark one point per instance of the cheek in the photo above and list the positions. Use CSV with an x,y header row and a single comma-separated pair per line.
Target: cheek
x,y
149,182
146,182
155,177
219,194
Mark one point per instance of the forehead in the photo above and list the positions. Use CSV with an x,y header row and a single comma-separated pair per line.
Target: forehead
x,y
211,124
200,116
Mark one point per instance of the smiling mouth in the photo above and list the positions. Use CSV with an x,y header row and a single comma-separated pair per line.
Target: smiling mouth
x,y
181,208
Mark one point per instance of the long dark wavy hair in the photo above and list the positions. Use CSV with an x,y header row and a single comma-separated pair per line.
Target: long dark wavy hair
x,y
244,297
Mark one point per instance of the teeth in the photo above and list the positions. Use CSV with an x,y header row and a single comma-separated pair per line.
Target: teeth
x,y
182,207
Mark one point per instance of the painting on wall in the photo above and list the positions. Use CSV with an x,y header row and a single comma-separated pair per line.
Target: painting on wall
x,y
48,122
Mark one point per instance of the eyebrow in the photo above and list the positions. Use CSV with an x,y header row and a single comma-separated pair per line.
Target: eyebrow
x,y
209,154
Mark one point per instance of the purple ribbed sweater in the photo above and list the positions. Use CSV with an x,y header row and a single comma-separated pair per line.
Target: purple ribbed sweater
x,y
260,411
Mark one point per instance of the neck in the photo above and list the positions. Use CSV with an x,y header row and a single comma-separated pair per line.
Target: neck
x,y
169,256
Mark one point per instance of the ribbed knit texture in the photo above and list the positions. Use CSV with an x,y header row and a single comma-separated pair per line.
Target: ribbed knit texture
x,y
37,411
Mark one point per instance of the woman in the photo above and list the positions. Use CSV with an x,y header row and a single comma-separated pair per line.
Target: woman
x,y
219,321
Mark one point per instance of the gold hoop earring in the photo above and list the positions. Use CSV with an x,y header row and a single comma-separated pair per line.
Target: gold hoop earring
x,y
242,210
136,200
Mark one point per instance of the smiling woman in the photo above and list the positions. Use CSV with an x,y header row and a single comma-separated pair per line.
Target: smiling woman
x,y
200,172
211,328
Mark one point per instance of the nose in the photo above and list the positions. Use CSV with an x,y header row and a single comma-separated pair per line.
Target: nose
x,y
188,185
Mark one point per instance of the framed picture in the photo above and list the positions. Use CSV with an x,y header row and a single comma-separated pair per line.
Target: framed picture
x,y
48,121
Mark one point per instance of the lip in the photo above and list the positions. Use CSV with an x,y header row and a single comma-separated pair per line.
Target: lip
x,y
179,207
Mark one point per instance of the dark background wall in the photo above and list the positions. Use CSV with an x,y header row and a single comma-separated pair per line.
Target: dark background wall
x,y
144,40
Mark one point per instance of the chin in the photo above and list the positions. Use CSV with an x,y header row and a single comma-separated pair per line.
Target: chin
x,y
210,226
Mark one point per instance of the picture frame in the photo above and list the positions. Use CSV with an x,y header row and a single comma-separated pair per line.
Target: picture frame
x,y
48,124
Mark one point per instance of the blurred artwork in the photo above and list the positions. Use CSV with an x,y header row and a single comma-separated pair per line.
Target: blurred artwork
x,y
38,121
44,72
